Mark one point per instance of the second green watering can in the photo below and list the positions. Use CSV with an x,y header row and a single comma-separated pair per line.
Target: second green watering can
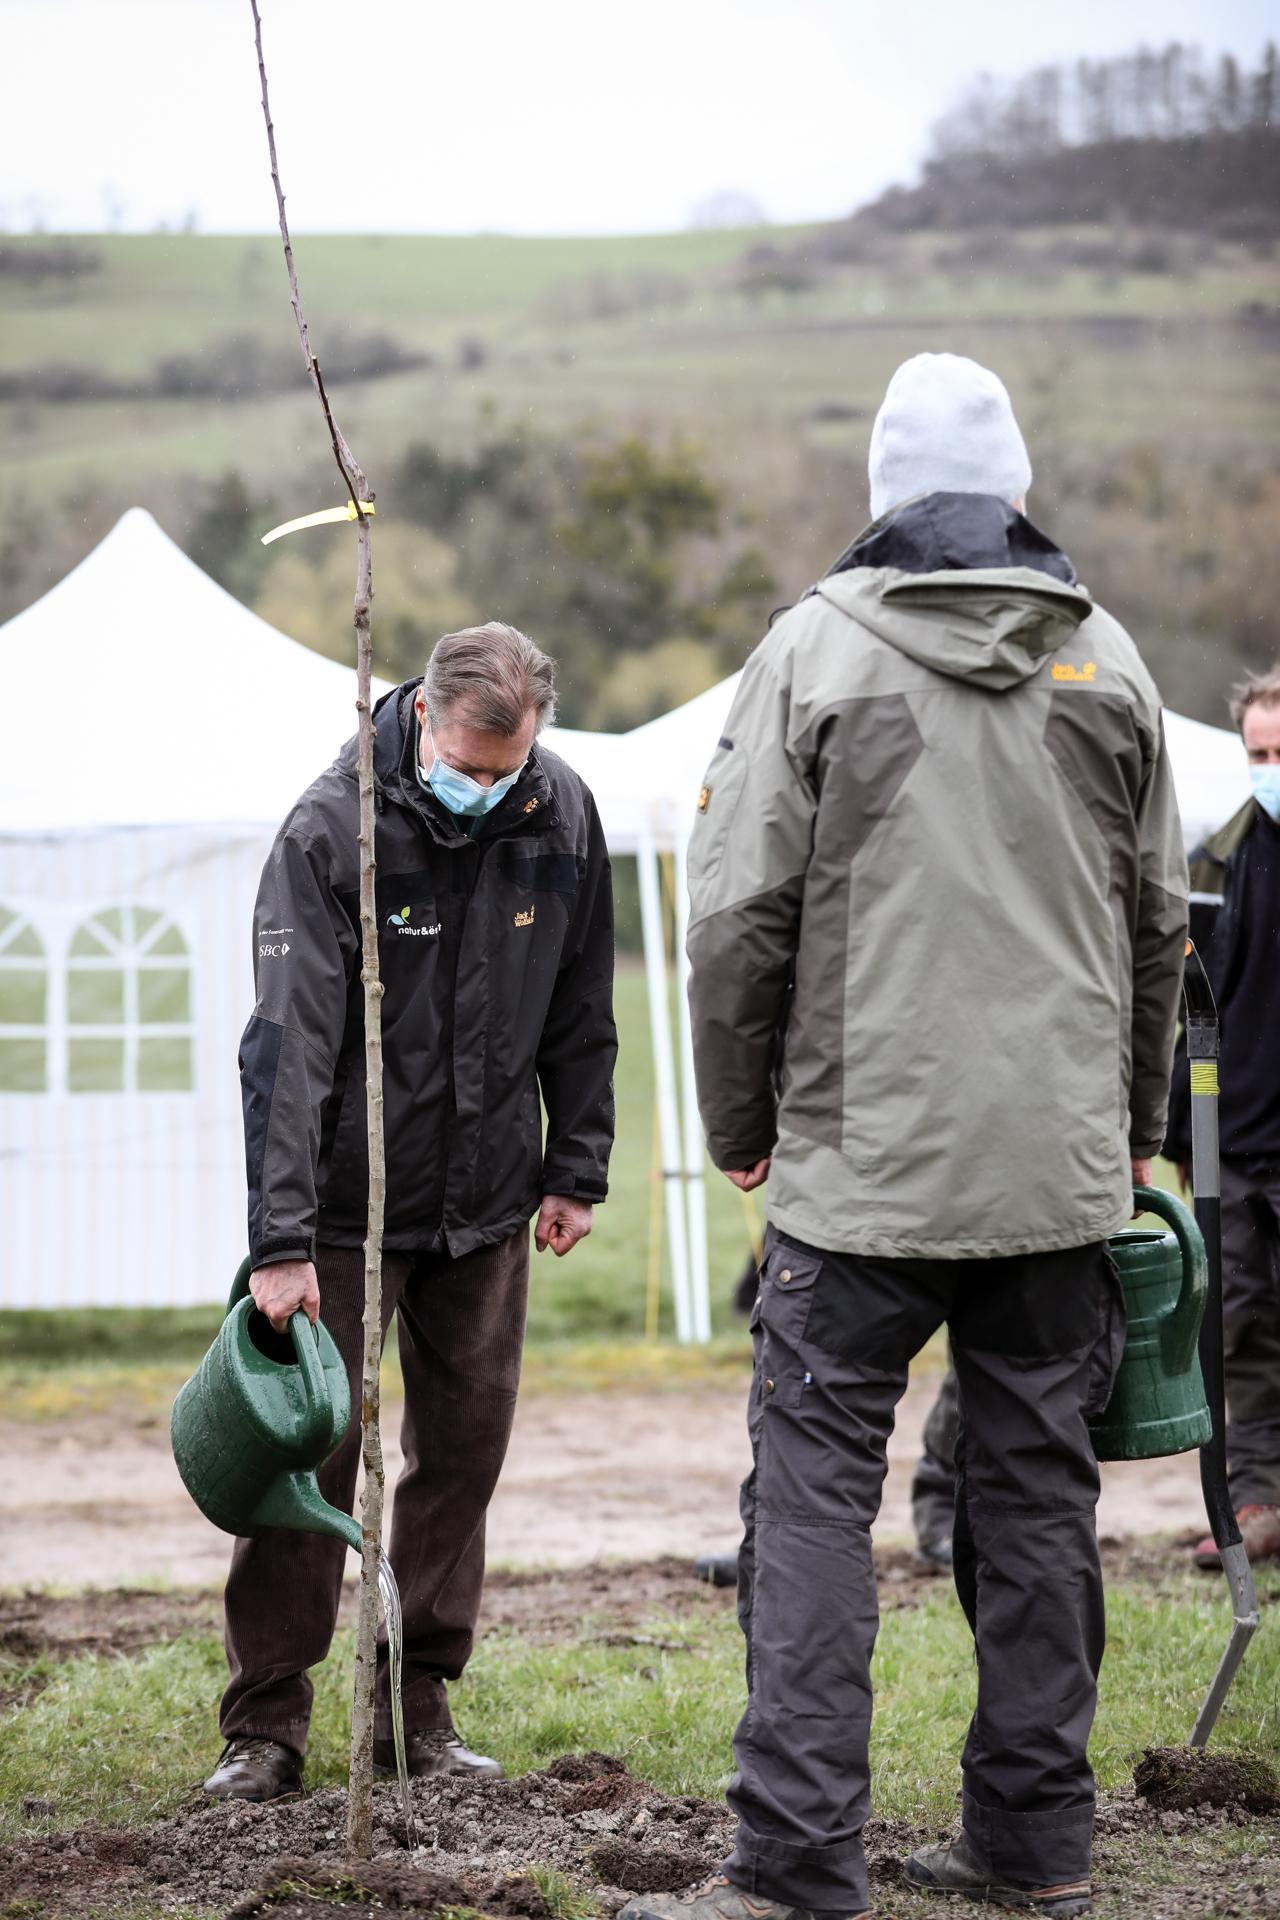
x,y
1157,1404
261,1412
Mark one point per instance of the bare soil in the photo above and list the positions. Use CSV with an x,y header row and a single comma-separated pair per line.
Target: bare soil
x,y
617,1601
96,1500
611,1835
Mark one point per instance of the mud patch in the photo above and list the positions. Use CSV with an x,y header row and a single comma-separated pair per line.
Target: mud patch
x,y
286,1861
483,1834
305,1887
1176,1779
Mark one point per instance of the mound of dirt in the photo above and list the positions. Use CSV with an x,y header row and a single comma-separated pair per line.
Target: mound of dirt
x,y
1174,1779
382,1886
481,1834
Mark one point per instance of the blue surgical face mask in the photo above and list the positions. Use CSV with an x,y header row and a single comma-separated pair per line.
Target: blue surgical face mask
x,y
1266,789
458,792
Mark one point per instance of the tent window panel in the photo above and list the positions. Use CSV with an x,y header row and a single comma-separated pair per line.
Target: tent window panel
x,y
23,1065
129,1004
86,945
95,997
25,942
164,996
24,987
164,1065
22,996
95,1066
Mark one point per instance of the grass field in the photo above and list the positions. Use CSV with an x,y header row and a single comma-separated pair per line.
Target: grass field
x,y
658,332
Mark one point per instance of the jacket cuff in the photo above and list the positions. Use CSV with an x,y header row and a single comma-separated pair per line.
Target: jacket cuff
x,y
574,1186
1146,1150
271,1252
736,1159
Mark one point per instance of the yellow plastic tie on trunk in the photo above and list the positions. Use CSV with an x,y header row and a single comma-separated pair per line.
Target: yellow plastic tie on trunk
x,y
1204,1076
327,517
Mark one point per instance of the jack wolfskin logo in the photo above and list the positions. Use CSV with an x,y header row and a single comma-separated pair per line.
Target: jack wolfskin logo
x,y
526,919
1064,671
530,806
704,799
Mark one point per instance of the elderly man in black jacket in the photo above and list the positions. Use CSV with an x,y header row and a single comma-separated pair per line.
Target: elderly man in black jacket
x,y
1235,921
496,949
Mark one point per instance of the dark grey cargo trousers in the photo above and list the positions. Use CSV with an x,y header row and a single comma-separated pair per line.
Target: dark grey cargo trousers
x,y
1251,1329
1036,1341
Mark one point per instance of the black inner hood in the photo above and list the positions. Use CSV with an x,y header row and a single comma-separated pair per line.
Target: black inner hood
x,y
945,532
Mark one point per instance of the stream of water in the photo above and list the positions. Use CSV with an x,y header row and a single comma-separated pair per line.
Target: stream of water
x,y
390,1594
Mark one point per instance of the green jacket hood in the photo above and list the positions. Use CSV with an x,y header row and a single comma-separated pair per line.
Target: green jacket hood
x,y
992,626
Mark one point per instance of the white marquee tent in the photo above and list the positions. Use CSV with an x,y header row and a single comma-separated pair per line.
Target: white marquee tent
x,y
143,770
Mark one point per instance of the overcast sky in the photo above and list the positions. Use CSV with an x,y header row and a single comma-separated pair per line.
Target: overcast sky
x,y
524,116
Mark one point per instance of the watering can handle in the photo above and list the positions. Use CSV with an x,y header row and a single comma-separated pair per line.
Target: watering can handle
x,y
1180,1330
306,1344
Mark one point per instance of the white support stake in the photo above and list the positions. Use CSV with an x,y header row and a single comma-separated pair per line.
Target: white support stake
x,y
664,1068
694,1156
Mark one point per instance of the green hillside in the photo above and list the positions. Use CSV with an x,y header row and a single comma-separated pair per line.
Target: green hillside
x,y
148,369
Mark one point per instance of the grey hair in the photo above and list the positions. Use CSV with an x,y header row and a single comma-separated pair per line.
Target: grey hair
x,y
496,673
1256,689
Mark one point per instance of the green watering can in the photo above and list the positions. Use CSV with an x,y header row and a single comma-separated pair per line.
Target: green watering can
x,y
1157,1405
260,1414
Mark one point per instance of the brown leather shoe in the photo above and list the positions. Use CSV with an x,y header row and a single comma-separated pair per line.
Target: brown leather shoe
x,y
1259,1529
436,1750
255,1769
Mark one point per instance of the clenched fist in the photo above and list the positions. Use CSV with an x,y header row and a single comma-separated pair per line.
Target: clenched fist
x,y
280,1290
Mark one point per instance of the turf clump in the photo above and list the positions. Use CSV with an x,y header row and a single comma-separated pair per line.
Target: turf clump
x,y
1174,1779
393,1886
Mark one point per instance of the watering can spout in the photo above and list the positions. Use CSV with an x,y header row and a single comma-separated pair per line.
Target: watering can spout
x,y
294,1500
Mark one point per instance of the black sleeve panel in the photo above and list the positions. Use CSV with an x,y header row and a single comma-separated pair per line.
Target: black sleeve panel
x,y
1159,947
579,1043
305,953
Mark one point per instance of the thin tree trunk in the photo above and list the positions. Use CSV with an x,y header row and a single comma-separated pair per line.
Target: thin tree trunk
x,y
360,1791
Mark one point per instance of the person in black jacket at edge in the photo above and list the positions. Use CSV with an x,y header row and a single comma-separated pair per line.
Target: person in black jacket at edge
x,y
1235,922
495,929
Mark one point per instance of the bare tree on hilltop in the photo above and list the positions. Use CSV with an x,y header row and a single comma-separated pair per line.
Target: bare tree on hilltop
x,y
1173,94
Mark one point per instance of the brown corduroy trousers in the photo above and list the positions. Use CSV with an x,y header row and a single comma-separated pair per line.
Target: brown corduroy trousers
x,y
461,1333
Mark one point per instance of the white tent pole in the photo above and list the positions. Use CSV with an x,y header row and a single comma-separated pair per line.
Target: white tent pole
x,y
694,1159
664,1068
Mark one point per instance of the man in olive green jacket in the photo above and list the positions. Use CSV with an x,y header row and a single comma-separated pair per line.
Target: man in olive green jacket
x,y
939,837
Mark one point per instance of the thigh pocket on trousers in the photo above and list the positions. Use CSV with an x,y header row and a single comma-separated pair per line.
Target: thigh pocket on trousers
x,y
1108,1352
781,1314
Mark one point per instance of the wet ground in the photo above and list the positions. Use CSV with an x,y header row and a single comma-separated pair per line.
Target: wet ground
x,y
610,1836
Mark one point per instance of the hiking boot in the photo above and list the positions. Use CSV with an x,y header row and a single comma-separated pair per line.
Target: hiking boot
x,y
955,1866
1259,1529
715,1899
435,1750
255,1769
717,1569
933,1556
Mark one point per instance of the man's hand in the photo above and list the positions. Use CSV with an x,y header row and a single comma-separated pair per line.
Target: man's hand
x,y
562,1222
280,1290
1141,1175
748,1178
